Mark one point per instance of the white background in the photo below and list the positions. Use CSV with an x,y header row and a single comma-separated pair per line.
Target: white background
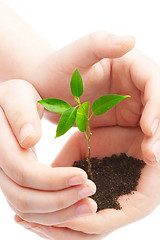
x,y
61,22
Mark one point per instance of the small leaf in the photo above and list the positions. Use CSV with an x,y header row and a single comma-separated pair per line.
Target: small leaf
x,y
66,121
76,84
82,116
106,102
55,105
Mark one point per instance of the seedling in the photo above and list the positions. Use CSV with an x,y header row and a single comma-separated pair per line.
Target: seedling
x,y
80,114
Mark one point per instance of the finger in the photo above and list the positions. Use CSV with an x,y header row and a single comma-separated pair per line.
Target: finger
x,y
33,201
51,232
84,207
146,76
105,221
19,99
22,167
151,148
102,222
134,207
91,48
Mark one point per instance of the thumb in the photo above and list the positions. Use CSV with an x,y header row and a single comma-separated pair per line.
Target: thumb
x,y
92,48
18,99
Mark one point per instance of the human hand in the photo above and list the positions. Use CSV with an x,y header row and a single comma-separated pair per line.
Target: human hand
x,y
32,189
105,141
98,58
135,75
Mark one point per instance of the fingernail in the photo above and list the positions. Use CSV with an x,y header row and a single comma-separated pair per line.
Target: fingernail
x,y
26,131
77,180
119,39
154,126
85,192
156,150
83,210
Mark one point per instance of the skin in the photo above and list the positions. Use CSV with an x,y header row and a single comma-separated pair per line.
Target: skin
x,y
100,58
22,176
134,206
126,128
105,71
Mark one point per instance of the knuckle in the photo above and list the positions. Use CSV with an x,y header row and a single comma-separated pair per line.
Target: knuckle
x,y
143,123
18,119
95,43
92,40
97,37
12,86
61,203
99,34
49,181
52,178
18,84
147,151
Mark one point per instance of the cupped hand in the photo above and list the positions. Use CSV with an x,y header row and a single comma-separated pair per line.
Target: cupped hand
x,y
106,141
34,190
131,127
105,69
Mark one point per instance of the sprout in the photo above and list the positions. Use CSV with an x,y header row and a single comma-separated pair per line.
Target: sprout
x,y
80,113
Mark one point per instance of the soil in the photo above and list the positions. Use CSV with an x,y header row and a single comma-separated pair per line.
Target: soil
x,y
114,176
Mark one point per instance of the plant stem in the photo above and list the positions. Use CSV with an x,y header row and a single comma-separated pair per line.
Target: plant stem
x,y
89,147
88,139
86,135
90,117
89,154
77,100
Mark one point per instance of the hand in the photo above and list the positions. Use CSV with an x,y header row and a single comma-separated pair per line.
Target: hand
x,y
98,58
134,120
134,206
34,190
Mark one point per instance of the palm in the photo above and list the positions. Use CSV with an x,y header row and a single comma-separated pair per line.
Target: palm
x,y
105,142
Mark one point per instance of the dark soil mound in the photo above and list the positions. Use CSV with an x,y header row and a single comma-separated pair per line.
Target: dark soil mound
x,y
114,176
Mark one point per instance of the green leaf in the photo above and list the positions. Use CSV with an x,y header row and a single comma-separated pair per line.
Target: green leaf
x,y
66,121
106,102
82,116
76,84
55,105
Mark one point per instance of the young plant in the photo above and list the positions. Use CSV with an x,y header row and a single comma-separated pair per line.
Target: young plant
x,y
80,113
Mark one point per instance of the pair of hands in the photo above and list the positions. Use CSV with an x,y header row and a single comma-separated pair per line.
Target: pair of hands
x,y
45,198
